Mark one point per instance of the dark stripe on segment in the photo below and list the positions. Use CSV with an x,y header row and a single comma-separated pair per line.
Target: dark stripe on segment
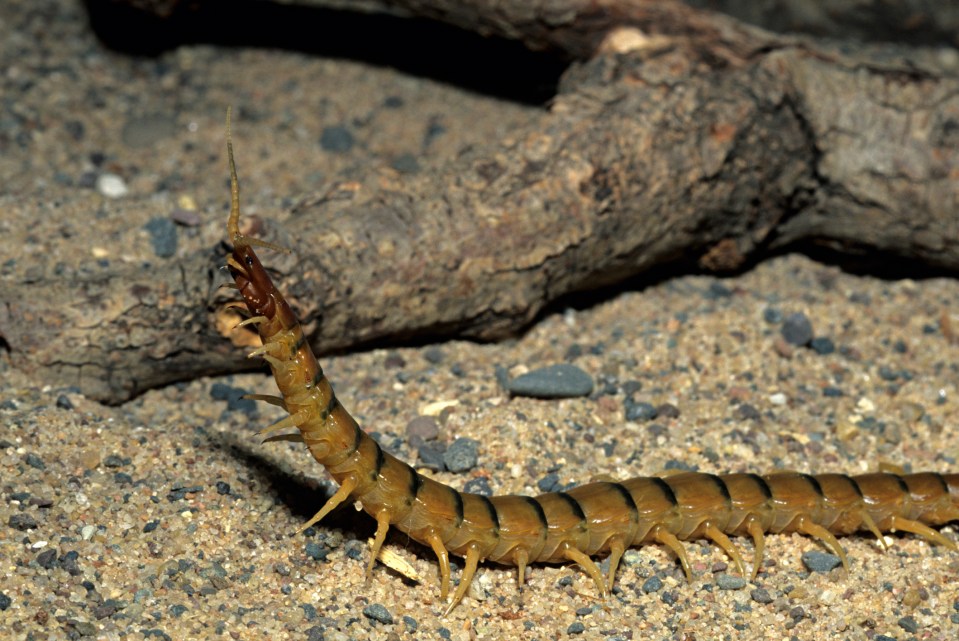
x,y
457,505
493,514
902,483
942,482
540,513
855,485
357,438
666,490
628,500
762,485
416,482
574,506
722,487
318,377
380,460
300,341
814,484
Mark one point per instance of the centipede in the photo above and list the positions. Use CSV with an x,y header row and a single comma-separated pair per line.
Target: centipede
x,y
601,518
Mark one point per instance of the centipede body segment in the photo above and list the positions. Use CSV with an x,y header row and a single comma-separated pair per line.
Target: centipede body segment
x,y
600,518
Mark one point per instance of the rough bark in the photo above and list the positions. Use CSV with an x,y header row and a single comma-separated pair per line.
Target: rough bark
x,y
715,146
543,22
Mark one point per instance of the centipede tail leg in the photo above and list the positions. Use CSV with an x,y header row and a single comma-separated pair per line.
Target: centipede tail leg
x,y
920,529
349,484
807,526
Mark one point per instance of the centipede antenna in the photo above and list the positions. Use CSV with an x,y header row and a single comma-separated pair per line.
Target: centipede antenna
x,y
233,223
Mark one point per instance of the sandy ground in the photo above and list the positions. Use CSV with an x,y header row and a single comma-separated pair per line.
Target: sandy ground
x,y
167,518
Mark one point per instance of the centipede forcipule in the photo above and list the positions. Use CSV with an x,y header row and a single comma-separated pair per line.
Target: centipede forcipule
x,y
598,518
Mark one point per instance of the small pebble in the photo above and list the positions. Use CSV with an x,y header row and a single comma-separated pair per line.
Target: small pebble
x,y
47,559
222,487
336,139
114,460
316,551
70,561
822,345
576,628
186,217
431,455
748,412
730,582
163,236
406,163
410,623
761,595
479,486
549,483
5,601
309,611
34,461
87,532
556,381
716,291
111,186
150,526
22,521
772,315
820,561
462,455
639,410
652,584
909,624
424,427
377,612
797,330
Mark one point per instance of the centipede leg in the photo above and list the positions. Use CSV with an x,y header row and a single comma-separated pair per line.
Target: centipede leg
x,y
382,527
469,570
521,559
871,526
806,526
617,547
920,529
349,484
759,544
588,565
720,539
443,557
293,420
667,538
253,320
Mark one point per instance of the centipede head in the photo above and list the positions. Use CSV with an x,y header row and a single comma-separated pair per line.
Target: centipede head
x,y
251,278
